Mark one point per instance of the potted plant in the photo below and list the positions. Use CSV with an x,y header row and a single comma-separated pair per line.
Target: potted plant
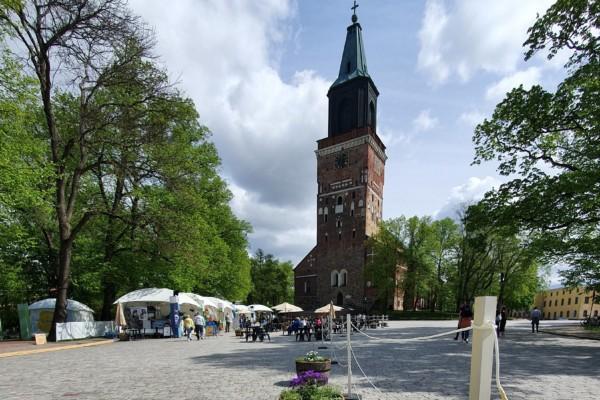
x,y
311,385
312,361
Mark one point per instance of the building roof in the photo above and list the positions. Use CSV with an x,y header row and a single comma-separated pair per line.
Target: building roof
x,y
354,60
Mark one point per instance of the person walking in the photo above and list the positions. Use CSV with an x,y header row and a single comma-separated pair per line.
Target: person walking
x,y
502,325
188,327
465,322
535,320
199,323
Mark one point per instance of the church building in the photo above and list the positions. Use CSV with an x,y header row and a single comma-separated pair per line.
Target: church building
x,y
350,176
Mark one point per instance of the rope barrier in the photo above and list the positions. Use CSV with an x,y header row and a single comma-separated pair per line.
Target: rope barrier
x,y
488,325
365,375
415,339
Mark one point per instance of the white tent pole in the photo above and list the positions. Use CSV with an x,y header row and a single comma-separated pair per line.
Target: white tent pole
x,y
349,349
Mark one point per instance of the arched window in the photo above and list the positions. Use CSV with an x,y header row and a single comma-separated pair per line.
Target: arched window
x,y
340,299
372,115
334,278
339,200
343,278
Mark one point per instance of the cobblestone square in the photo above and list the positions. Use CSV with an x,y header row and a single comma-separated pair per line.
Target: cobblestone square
x,y
533,366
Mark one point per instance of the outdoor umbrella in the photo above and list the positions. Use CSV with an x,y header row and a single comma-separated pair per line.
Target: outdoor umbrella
x,y
120,316
327,309
241,309
286,308
259,307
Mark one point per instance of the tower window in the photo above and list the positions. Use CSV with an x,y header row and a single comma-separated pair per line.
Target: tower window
x,y
325,237
343,277
339,200
340,235
353,233
353,194
334,278
348,67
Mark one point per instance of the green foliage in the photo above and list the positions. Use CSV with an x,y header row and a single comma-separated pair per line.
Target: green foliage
x,y
421,315
156,210
443,263
551,141
272,280
312,392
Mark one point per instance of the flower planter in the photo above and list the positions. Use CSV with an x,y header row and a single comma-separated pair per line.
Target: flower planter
x,y
323,366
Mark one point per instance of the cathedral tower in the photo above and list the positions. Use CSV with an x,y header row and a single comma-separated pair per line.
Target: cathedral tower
x,y
350,177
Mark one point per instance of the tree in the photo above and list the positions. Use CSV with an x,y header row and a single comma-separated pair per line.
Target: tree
x,y
551,140
386,255
444,240
272,280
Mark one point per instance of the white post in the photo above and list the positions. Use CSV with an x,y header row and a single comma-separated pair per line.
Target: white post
x,y
348,331
482,353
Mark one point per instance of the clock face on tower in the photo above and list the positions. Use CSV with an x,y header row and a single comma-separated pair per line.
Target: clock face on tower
x,y
341,160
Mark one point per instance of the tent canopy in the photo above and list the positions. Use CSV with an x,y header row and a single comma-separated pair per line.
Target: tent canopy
x,y
242,309
286,307
155,295
327,309
50,303
259,307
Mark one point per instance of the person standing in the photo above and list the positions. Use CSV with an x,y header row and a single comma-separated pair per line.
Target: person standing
x,y
227,323
460,312
465,322
535,320
199,323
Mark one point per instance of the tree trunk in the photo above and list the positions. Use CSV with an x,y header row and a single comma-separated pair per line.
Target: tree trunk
x,y
64,269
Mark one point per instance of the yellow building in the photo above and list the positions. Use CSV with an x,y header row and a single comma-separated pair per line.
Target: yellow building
x,y
566,303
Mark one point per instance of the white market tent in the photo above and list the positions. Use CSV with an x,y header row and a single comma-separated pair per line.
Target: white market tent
x,y
41,313
159,298
155,295
286,308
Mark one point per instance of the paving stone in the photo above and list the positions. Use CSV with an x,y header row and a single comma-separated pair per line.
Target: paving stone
x,y
533,366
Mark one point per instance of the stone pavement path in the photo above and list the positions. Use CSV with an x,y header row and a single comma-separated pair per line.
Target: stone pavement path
x,y
533,366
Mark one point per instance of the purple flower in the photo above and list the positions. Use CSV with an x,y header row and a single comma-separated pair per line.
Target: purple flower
x,y
309,377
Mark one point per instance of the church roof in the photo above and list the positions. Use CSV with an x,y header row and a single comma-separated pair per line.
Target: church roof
x,y
354,60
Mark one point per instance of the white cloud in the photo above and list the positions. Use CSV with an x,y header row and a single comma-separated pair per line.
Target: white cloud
x,y
471,118
466,194
225,54
424,122
529,77
470,35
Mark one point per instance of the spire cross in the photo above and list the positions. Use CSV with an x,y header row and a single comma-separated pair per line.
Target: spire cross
x,y
353,8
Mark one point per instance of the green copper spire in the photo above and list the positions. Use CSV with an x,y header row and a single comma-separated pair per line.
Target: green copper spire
x,y
354,61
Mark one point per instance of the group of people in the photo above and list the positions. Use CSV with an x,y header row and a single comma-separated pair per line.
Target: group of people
x,y
465,317
196,324
305,328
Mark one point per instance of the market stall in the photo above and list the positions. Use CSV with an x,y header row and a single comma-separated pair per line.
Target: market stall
x,y
41,313
147,310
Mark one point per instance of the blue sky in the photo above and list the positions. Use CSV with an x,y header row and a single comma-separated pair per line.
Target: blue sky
x,y
259,71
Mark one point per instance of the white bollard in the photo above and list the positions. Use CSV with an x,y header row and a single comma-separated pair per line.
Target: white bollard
x,y
482,353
